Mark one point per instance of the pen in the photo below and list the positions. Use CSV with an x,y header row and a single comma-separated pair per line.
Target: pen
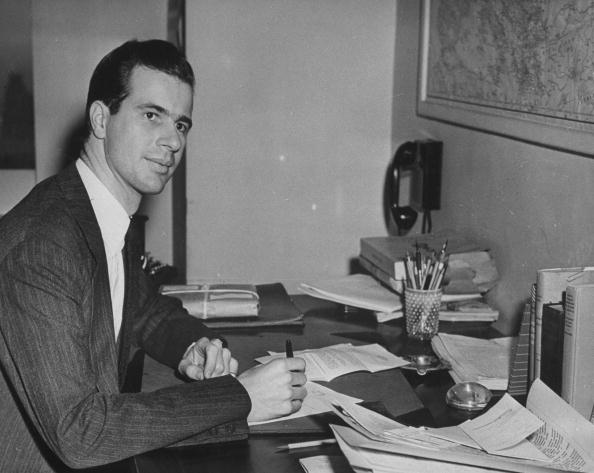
x,y
311,443
288,348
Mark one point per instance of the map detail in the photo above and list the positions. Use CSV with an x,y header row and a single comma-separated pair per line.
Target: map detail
x,y
531,56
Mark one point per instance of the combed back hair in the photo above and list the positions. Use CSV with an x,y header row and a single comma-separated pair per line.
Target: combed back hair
x,y
110,82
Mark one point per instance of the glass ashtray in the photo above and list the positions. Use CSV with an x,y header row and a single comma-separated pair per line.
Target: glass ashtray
x,y
422,364
469,396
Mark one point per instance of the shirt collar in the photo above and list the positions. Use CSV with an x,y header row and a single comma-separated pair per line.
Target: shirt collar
x,y
111,215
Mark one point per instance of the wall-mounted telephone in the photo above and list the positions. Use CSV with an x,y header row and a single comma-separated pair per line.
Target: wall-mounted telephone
x,y
415,170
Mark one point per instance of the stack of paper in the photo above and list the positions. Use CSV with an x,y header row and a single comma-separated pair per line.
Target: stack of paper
x,y
365,292
547,435
486,361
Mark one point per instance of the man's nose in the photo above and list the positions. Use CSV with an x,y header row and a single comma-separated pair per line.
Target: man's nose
x,y
170,138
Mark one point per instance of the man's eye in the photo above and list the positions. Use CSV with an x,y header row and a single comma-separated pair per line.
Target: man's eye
x,y
182,127
150,115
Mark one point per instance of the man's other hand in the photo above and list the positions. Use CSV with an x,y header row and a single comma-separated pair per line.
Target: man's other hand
x,y
207,359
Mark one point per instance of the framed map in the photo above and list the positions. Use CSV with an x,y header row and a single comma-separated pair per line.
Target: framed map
x,y
523,69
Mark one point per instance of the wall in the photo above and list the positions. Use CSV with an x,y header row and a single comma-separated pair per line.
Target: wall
x,y
299,108
292,135
532,204
69,38
15,55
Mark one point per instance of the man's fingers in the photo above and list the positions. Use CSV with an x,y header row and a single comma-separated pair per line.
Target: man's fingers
x,y
296,405
233,367
209,359
191,370
294,364
214,359
298,378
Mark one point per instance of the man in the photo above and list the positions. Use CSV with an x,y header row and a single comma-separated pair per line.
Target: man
x,y
71,306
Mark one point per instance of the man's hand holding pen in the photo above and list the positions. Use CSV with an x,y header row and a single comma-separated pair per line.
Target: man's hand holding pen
x,y
276,388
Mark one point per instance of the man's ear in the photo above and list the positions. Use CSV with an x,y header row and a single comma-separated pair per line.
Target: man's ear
x,y
98,116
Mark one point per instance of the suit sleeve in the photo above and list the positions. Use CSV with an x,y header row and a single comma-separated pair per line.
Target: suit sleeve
x,y
65,375
163,328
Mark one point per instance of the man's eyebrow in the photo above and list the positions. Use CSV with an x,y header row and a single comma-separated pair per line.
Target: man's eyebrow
x,y
177,118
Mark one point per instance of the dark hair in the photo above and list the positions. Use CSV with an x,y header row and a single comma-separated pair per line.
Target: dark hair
x,y
110,82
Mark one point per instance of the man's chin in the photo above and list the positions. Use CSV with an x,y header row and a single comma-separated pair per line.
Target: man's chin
x,y
154,188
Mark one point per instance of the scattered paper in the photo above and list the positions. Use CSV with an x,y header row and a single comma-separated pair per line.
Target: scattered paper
x,y
563,439
325,364
319,399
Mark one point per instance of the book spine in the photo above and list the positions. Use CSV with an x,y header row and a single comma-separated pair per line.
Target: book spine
x,y
577,379
532,332
518,376
380,275
538,305
551,360
550,285
569,347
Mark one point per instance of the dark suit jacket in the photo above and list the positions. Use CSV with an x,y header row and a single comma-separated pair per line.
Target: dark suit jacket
x,y
62,370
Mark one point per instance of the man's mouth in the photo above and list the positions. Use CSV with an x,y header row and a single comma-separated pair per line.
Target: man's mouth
x,y
162,165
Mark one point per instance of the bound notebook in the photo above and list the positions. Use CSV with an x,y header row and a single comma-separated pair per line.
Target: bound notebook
x,y
214,301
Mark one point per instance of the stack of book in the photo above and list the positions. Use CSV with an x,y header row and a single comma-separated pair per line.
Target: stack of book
x,y
471,270
561,327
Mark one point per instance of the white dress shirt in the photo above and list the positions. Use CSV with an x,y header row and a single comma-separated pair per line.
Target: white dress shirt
x,y
113,222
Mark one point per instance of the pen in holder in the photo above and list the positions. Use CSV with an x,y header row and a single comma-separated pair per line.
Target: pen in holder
x,y
422,293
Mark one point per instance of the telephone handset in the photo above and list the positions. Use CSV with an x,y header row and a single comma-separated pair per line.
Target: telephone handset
x,y
405,158
419,162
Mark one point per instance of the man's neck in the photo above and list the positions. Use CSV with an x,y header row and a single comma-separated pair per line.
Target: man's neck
x,y
98,165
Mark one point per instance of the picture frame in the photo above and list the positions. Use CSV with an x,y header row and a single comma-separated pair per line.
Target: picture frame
x,y
564,121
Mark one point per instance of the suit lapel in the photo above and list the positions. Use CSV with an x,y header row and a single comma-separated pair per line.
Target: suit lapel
x,y
101,336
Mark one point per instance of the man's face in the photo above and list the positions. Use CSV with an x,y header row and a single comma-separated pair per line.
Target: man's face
x,y
145,139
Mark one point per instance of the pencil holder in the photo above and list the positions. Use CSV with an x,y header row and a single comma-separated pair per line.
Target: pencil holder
x,y
421,312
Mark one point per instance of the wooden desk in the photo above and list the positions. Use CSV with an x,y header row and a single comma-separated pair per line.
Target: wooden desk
x,y
406,396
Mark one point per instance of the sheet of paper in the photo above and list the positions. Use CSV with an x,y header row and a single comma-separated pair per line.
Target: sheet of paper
x,y
454,434
378,427
380,460
507,423
474,359
325,464
325,364
319,399
566,437
356,290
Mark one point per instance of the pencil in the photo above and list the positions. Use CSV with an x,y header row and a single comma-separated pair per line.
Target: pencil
x,y
311,443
